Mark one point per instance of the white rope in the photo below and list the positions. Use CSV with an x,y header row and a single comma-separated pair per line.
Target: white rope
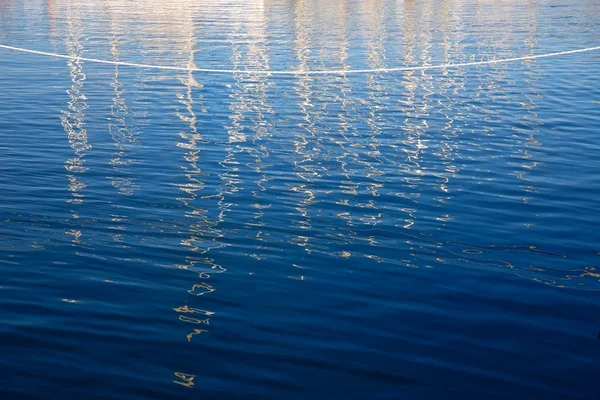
x,y
304,72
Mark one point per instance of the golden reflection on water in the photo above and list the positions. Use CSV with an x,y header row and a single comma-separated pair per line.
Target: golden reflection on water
x,y
203,231
186,380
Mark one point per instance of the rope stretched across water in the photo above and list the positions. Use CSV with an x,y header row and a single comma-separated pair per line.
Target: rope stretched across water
x,y
303,72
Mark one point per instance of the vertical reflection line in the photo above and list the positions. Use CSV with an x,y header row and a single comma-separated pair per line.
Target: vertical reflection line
x,y
423,181
306,135
360,181
431,180
347,115
120,133
527,146
230,182
250,112
347,137
382,98
412,127
530,122
378,100
202,235
450,104
73,117
262,129
491,97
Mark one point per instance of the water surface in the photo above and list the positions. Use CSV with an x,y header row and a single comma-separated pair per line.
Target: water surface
x,y
427,234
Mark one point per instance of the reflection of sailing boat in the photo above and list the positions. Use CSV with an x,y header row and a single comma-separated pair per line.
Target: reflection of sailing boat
x,y
73,118
306,146
377,101
430,103
210,200
529,123
359,153
200,232
203,232
397,119
415,112
119,130
250,116
451,104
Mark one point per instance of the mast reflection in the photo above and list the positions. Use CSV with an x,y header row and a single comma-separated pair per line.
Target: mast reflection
x,y
73,118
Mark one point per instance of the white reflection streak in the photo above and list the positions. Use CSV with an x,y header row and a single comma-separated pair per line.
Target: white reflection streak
x,y
120,133
451,104
376,56
529,122
202,231
252,101
73,118
307,132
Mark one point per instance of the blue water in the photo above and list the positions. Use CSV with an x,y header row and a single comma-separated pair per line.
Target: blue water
x,y
425,234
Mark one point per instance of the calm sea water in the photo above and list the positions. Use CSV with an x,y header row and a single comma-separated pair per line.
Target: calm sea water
x,y
426,234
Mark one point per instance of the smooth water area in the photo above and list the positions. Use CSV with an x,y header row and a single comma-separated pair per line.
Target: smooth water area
x,y
424,234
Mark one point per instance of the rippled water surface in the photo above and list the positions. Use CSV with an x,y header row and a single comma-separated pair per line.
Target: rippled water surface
x,y
422,234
